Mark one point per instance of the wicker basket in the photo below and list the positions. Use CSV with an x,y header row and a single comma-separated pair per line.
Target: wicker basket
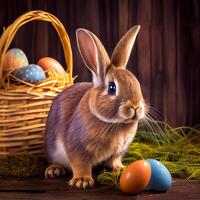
x,y
24,108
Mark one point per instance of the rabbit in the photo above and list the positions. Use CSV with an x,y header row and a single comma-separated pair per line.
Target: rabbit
x,y
90,123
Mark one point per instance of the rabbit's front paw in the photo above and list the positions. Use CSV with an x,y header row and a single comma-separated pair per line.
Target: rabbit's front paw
x,y
54,170
82,182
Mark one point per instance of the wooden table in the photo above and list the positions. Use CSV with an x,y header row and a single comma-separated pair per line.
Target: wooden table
x,y
57,189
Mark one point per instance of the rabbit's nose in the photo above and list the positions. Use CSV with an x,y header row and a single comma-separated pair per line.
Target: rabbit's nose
x,y
134,111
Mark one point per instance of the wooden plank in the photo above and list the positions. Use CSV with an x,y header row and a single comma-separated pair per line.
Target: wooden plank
x,y
157,76
78,20
144,47
61,15
123,17
92,23
2,16
194,63
42,40
110,38
132,21
169,59
182,74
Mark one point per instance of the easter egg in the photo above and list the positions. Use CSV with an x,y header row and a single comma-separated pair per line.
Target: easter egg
x,y
135,177
14,58
161,179
31,73
49,64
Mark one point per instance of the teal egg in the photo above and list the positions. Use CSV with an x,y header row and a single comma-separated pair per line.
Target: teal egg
x,y
161,179
31,73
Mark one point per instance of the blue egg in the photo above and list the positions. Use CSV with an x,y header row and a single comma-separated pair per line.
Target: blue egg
x,y
31,73
161,179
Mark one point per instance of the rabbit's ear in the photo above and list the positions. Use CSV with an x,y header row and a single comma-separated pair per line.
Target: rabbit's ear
x,y
93,54
123,49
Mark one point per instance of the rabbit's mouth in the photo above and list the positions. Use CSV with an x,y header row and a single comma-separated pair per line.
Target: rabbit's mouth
x,y
132,113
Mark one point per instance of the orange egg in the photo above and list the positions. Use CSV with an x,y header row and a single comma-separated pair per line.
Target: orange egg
x,y
49,64
135,177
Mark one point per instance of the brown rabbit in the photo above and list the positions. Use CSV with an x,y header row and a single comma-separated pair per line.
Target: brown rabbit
x,y
91,123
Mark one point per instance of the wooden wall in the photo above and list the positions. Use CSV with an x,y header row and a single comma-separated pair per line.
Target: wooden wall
x,y
166,57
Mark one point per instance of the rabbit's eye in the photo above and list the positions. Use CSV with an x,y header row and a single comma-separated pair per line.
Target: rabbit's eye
x,y
112,88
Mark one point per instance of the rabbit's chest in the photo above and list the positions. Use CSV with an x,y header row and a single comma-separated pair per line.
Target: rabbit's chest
x,y
115,146
120,144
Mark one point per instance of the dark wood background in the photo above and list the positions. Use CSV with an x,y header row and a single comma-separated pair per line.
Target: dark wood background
x,y
166,57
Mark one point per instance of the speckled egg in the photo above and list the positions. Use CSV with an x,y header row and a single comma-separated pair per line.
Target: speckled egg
x,y
31,73
14,58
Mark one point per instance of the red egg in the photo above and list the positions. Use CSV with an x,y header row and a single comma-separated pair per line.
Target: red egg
x,y
135,177
49,64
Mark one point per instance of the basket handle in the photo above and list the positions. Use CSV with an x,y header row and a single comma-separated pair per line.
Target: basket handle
x,y
11,30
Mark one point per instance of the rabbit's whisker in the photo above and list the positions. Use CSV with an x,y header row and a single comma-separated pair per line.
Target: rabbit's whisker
x,y
152,129
154,112
155,124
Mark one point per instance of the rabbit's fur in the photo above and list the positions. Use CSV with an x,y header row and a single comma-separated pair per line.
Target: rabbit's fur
x,y
91,123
